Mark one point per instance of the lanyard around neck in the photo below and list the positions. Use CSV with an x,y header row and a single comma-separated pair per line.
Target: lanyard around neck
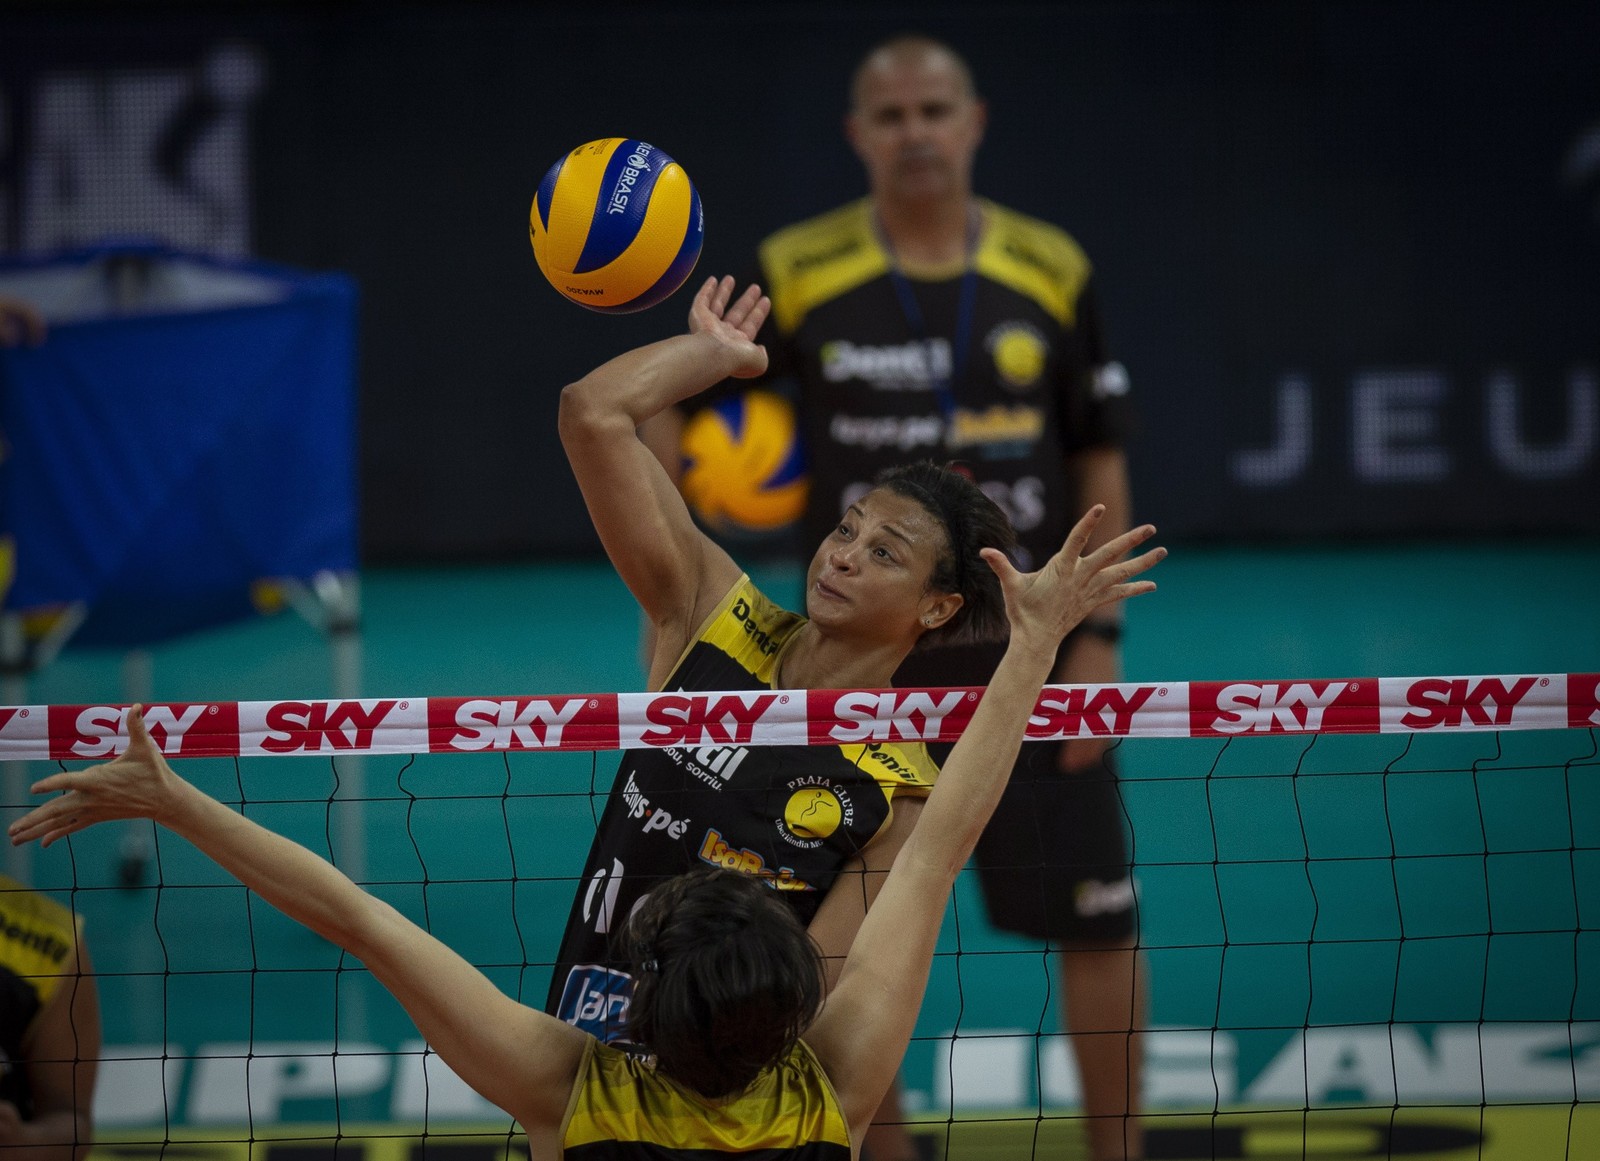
x,y
961,342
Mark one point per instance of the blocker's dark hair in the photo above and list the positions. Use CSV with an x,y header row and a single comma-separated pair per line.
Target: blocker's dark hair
x,y
725,978
971,522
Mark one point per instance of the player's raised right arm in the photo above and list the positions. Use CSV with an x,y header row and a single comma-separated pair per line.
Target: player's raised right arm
x,y
864,1027
675,572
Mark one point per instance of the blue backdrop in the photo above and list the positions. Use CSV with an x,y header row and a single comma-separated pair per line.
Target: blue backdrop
x,y
163,460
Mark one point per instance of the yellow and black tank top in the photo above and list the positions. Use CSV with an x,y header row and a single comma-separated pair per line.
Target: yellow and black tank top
x,y
621,1110
37,937
792,816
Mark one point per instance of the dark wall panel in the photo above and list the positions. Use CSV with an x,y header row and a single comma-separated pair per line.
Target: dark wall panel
x,y
1350,252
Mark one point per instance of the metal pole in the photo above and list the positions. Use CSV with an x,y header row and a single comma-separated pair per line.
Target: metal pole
x,y
134,850
14,688
332,604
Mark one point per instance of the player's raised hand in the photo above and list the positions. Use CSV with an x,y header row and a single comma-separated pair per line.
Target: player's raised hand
x,y
733,322
1044,606
136,784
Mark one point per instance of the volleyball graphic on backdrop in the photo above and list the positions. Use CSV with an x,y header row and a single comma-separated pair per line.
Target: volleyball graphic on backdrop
x,y
744,468
616,225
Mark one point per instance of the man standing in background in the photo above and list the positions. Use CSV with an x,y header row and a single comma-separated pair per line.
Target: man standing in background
x,y
923,322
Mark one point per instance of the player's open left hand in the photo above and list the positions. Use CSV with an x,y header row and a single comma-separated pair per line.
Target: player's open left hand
x,y
1044,606
734,322
136,784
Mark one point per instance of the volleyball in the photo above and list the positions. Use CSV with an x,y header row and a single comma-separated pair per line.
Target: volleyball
x,y
616,225
744,467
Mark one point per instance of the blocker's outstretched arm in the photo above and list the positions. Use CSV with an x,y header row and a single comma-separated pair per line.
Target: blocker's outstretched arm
x,y
522,1060
675,571
866,1023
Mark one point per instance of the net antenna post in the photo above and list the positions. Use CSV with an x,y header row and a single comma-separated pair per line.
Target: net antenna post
x,y
330,602
134,848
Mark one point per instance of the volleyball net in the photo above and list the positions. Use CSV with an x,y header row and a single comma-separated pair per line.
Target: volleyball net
x,y
1370,907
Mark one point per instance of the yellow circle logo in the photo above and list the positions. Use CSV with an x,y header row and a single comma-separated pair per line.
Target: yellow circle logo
x,y
812,813
1019,355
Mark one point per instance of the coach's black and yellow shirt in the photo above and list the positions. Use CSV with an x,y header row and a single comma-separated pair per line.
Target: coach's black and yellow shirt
x,y
999,363
789,815
37,937
621,1110
1029,379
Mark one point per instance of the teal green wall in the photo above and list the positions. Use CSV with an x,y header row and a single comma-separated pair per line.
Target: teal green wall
x,y
1394,862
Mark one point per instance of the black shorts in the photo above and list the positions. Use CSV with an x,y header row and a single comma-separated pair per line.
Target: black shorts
x,y
1053,862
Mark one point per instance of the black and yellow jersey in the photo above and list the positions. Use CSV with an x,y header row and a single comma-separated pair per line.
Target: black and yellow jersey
x,y
792,816
622,1110
1010,383
37,938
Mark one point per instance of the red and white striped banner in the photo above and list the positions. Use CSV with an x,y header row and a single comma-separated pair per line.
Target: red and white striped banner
x,y
818,717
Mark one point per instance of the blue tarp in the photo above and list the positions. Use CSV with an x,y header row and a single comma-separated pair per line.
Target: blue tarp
x,y
187,429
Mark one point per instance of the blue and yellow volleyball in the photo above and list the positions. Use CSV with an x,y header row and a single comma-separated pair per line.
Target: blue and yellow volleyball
x,y
744,465
616,225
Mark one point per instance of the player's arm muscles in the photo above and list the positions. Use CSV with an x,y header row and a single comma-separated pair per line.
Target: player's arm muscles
x,y
866,1023
837,921
662,433
644,524
522,1060
864,1028
675,571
